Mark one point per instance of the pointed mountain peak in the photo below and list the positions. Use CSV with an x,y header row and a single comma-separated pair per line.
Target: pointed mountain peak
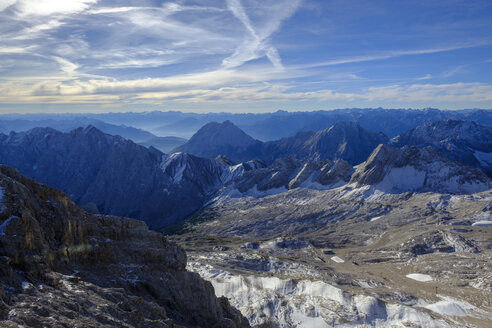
x,y
215,139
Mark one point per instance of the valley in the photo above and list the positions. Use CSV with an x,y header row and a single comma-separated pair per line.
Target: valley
x,y
317,259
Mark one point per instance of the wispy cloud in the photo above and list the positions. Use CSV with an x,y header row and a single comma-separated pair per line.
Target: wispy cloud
x,y
50,7
6,3
256,43
425,77
453,71
395,54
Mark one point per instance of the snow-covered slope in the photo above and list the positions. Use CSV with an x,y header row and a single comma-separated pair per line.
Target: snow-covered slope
x,y
396,170
289,303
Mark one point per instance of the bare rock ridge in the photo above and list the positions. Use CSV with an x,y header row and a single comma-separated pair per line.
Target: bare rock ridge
x,y
63,267
289,173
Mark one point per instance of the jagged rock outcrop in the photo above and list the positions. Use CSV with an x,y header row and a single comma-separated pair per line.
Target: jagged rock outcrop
x,y
412,169
463,141
63,267
215,139
289,173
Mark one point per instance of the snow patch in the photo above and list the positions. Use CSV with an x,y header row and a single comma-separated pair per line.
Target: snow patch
x,y
376,218
337,259
402,179
482,224
419,277
307,303
25,285
450,306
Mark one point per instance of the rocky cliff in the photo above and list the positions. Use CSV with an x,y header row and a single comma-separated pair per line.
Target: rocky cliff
x,y
63,267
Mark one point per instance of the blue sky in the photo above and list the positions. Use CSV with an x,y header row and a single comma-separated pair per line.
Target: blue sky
x,y
243,55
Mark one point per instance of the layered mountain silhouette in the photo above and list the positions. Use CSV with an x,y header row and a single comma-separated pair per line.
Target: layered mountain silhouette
x,y
344,140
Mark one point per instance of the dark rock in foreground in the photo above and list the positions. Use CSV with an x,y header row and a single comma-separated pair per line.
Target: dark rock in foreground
x,y
63,267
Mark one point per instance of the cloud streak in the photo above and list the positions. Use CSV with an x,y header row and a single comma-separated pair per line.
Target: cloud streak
x,y
257,44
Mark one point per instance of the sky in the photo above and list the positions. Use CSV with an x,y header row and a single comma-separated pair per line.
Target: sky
x,y
243,55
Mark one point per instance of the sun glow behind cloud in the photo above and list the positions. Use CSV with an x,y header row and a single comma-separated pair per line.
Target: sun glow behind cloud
x,y
243,54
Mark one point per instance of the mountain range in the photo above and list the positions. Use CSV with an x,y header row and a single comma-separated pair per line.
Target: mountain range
x,y
111,175
267,126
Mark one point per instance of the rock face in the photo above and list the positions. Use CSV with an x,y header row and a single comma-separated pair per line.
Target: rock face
x,y
463,141
62,267
289,173
412,169
113,174
225,138
344,140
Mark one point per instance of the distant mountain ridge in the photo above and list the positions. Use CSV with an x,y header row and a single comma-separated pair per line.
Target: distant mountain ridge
x,y
343,140
270,126
66,125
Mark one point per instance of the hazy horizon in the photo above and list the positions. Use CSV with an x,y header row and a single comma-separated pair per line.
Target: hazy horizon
x,y
82,113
